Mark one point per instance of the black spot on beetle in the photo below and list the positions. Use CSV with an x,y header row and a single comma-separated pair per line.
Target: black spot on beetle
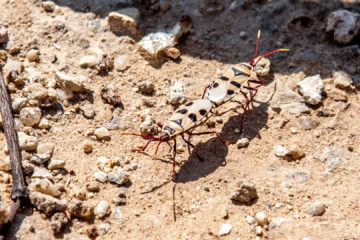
x,y
230,92
202,112
246,66
179,121
239,73
182,111
189,104
192,116
215,85
236,84
224,78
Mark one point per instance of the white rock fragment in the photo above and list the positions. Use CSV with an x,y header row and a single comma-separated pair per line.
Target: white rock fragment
x,y
88,111
46,203
30,116
56,164
258,231
33,55
342,79
102,133
42,174
73,83
244,192
334,157
18,104
5,164
176,94
316,209
44,186
311,89
250,220
345,25
26,142
89,61
100,176
225,229
105,164
118,176
44,123
243,142
261,218
149,126
280,151
102,209
44,148
121,62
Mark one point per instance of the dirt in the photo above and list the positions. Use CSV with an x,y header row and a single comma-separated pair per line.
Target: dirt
x,y
193,205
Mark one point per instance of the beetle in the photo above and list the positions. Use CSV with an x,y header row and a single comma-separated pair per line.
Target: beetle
x,y
239,77
187,117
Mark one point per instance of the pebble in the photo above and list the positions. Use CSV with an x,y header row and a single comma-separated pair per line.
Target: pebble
x,y
337,95
78,209
105,164
316,209
334,157
311,89
243,142
110,93
293,152
56,164
146,88
104,228
121,63
18,104
40,158
88,111
93,186
244,191
30,116
225,229
4,37
46,203
45,148
243,34
344,25
118,176
89,61
100,176
42,174
26,142
58,221
102,133
102,209
258,231
4,214
44,123
250,220
28,167
44,186
176,94
172,52
48,6
308,123
33,55
262,68
280,151
261,219
123,22
149,126
70,82
342,79
114,124
5,164
87,146
300,176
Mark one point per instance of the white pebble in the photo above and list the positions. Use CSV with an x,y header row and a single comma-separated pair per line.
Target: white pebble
x,y
102,209
250,220
225,229
102,133
261,218
100,176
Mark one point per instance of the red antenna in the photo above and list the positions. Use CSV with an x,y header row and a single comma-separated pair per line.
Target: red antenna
x,y
257,46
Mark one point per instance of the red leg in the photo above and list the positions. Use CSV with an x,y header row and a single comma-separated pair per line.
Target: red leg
x,y
206,88
142,149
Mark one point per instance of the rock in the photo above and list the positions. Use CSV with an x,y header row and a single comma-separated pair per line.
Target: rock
x,y
33,55
123,22
93,187
334,157
4,214
172,52
48,6
262,68
18,104
30,116
56,164
87,146
261,219
80,193
250,220
46,203
28,168
45,148
342,79
89,61
40,158
42,174
258,231
105,164
118,176
243,34
44,123
102,133
58,221
121,63
5,165
79,210
325,112
104,228
337,95
244,192
225,229
88,111
26,142
176,94
12,68
344,25
114,124
243,142
149,126
73,83
100,176
280,151
146,88
300,176
316,209
120,197
308,123
44,186
4,37
111,93
293,153
311,89
102,209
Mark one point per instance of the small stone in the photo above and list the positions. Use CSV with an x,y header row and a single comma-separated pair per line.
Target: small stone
x,y
45,148
172,52
26,142
28,167
104,228
123,22
4,214
225,229
93,187
104,164
33,55
258,231
114,124
40,158
146,88
244,192
58,221
92,232
280,151
4,37
56,164
308,123
262,68
176,94
18,104
102,209
78,209
342,79
102,133
311,89
295,152
5,165
80,193
243,34
100,176
118,176
334,157
46,203
325,112
72,83
250,220
88,111
149,126
44,123
261,218
110,93
48,6
87,146
224,213
89,61
44,186
243,142
30,116
337,95
316,209
121,62
42,174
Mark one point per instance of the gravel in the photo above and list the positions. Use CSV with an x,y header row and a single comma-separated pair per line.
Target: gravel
x,y
244,192
311,89
118,176
46,203
102,209
225,229
316,209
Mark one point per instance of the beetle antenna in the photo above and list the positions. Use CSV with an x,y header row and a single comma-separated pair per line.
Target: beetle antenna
x,y
143,136
257,47
268,54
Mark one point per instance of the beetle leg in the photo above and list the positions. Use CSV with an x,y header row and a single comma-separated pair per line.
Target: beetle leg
x,y
174,155
142,149
195,148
